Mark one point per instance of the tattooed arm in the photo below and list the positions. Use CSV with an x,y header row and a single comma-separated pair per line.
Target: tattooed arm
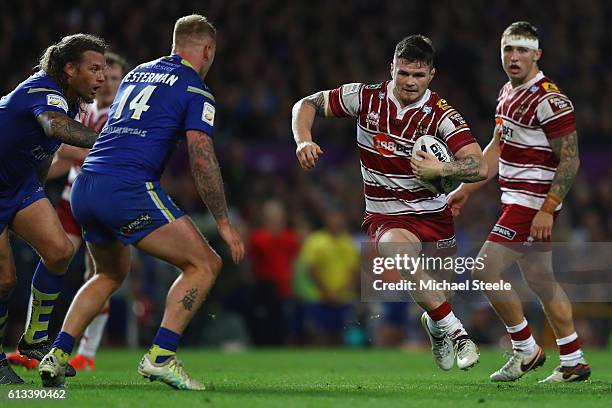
x,y
302,119
59,126
566,150
469,167
207,177
206,173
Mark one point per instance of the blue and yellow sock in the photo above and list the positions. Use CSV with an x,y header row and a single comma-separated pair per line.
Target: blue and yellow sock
x,y
164,346
3,319
62,346
46,288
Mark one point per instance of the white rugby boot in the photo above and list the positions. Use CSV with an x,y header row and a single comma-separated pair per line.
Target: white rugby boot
x,y
518,365
441,347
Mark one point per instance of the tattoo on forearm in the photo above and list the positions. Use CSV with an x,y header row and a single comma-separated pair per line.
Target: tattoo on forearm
x,y
465,169
207,175
566,150
61,127
189,299
317,101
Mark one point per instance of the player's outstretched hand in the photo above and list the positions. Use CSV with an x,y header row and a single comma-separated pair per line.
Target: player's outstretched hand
x,y
308,154
456,200
232,239
541,226
425,166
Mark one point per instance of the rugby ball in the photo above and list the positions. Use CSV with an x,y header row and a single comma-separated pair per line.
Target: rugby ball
x,y
436,147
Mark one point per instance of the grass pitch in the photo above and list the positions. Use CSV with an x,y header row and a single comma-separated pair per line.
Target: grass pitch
x,y
330,378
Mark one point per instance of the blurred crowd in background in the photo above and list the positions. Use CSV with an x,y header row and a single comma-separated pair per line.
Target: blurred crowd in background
x,y
299,284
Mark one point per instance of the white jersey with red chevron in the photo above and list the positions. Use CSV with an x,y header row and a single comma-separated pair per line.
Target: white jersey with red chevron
x,y
386,133
94,118
530,115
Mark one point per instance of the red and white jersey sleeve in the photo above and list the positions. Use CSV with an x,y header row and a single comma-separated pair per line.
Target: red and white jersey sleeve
x,y
555,114
530,115
453,129
345,101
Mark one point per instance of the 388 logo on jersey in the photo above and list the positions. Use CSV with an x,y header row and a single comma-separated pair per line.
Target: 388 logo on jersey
x,y
386,146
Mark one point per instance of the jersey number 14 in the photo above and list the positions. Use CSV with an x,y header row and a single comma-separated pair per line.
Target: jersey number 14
x,y
138,104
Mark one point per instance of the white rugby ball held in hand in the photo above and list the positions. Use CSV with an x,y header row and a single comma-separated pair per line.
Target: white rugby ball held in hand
x,y
436,147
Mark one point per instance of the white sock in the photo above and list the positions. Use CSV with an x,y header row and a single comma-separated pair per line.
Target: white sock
x,y
88,346
527,347
574,357
449,325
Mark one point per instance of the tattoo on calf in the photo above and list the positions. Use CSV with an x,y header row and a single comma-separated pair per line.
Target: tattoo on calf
x,y
189,298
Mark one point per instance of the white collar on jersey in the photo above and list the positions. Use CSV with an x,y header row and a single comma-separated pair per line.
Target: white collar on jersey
x,y
401,111
529,83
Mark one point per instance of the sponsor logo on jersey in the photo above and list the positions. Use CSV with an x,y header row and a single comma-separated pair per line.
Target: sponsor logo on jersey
x,y
386,146
458,120
533,89
503,232
447,243
57,101
558,103
550,87
40,153
520,111
139,223
442,104
507,131
373,119
208,113
350,89
374,86
427,110
420,131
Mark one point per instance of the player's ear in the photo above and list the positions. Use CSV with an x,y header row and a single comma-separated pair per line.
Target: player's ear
x,y
208,51
391,69
432,72
537,55
70,69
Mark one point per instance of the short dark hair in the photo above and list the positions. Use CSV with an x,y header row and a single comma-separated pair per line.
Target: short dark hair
x,y
69,50
522,29
416,48
112,59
